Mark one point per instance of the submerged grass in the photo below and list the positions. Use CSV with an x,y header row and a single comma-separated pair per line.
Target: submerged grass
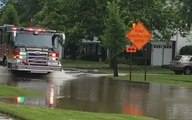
x,y
8,91
33,113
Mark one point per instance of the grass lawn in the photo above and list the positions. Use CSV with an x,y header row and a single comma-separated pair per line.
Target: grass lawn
x,y
33,113
7,91
154,74
176,80
104,67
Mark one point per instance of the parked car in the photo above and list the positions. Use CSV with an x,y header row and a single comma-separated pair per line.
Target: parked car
x,y
182,64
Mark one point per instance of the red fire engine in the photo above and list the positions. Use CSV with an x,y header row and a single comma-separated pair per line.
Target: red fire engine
x,y
30,49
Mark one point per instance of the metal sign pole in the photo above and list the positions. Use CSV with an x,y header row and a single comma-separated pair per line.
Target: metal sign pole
x,y
130,66
145,76
139,36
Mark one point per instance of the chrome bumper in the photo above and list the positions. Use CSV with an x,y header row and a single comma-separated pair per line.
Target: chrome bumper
x,y
36,69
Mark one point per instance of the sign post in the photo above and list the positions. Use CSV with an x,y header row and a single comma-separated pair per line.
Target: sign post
x,y
139,37
130,49
130,66
145,75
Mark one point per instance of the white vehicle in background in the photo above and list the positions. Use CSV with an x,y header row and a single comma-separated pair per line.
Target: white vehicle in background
x,y
182,64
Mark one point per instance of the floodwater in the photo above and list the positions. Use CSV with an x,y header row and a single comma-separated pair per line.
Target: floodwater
x,y
83,91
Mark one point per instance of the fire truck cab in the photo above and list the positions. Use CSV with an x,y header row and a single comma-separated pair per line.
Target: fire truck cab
x,y
31,50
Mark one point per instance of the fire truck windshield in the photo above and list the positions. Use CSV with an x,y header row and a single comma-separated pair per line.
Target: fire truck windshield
x,y
31,40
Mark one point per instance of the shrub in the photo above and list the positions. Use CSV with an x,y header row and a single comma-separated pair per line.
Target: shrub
x,y
186,50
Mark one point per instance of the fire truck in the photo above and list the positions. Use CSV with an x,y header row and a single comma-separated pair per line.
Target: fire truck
x,y
32,50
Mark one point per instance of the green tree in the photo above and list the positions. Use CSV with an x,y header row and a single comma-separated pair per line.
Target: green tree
x,y
77,18
186,12
27,9
63,15
93,12
114,34
161,17
10,15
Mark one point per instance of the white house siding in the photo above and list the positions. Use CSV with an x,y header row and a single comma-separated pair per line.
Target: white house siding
x,y
167,54
156,54
161,53
181,42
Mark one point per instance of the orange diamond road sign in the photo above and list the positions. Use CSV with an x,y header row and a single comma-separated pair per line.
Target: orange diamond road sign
x,y
139,36
131,49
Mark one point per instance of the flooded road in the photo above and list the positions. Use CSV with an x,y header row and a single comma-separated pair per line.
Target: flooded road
x,y
86,92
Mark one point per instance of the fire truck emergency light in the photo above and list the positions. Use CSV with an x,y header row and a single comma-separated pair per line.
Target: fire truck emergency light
x,y
18,54
28,29
32,30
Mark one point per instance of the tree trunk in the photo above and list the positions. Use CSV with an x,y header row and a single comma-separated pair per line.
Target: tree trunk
x,y
114,66
110,59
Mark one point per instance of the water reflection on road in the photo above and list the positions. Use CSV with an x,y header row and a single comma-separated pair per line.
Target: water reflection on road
x,y
99,94
86,92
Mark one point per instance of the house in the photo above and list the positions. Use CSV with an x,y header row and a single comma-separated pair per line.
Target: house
x,y
181,41
163,52
159,52
91,50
